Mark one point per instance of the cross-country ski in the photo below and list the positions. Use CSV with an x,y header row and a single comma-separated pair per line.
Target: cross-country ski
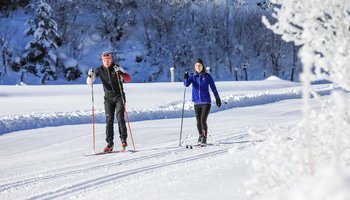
x,y
103,152
194,146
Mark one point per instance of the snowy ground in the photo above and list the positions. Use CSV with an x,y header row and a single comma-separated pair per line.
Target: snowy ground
x,y
46,130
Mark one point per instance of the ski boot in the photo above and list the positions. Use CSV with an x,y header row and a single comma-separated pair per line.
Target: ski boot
x,y
199,140
204,139
108,148
124,144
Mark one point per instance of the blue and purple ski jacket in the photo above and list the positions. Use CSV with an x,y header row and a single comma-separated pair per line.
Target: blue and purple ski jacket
x,y
200,87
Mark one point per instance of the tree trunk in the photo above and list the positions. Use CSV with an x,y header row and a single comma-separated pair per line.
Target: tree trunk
x,y
227,13
4,61
292,75
294,61
236,74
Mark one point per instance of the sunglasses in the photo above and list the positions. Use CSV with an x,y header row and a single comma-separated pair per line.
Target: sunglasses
x,y
106,54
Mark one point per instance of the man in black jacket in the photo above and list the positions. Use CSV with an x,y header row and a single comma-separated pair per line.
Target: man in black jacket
x,y
112,76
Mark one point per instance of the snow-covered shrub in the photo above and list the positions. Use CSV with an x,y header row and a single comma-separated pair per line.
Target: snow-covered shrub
x,y
287,156
71,70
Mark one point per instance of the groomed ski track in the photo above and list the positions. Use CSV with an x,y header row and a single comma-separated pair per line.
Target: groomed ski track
x,y
126,165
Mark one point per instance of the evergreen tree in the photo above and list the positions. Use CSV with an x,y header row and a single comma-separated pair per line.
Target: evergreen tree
x,y
40,57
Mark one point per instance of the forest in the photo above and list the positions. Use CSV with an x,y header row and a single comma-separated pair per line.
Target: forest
x,y
147,37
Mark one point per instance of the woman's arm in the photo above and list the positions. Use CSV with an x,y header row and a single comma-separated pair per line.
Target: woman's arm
x,y
213,87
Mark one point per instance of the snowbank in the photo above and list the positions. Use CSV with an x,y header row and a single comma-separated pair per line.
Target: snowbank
x,y
273,78
166,111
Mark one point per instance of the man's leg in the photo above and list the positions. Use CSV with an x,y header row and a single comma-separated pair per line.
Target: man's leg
x,y
121,121
109,111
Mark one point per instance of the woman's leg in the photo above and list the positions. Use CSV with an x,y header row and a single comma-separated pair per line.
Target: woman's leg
x,y
198,111
204,117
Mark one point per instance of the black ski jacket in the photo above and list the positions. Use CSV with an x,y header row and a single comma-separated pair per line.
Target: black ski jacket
x,y
113,89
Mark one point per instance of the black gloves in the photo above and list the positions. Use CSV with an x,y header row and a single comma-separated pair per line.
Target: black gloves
x,y
186,75
116,68
91,73
218,102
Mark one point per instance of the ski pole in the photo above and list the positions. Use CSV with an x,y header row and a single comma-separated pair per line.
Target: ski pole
x,y
127,119
126,113
182,116
93,119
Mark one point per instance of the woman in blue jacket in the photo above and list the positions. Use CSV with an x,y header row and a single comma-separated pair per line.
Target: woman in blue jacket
x,y
201,81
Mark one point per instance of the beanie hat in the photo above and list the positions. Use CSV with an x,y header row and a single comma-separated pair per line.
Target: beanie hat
x,y
106,55
200,61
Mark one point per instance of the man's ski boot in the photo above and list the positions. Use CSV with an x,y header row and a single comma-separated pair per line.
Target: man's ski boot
x,y
124,144
108,148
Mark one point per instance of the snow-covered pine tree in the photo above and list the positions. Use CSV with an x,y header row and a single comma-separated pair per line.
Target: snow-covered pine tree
x,y
40,57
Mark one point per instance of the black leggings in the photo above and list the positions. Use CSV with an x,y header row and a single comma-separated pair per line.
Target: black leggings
x,y
202,112
116,107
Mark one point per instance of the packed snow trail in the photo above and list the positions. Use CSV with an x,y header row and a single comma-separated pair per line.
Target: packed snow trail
x,y
147,161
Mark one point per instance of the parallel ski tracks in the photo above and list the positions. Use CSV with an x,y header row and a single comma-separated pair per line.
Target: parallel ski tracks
x,y
107,179
83,170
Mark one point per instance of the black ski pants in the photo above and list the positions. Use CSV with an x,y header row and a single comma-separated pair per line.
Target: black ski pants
x,y
114,106
202,112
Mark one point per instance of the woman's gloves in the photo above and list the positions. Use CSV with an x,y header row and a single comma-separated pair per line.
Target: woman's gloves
x,y
218,102
186,75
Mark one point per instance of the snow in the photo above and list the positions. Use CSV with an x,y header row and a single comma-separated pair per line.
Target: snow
x,y
273,78
70,62
271,139
330,182
48,130
58,110
322,136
